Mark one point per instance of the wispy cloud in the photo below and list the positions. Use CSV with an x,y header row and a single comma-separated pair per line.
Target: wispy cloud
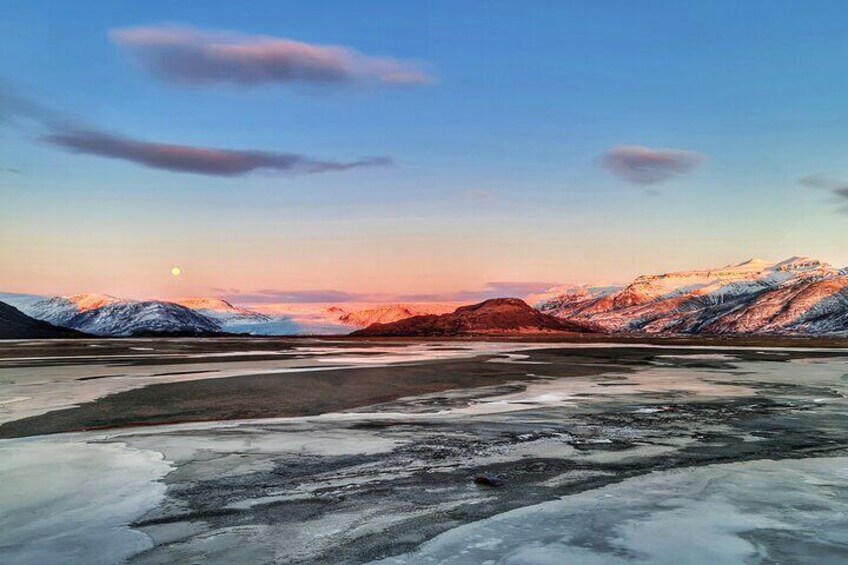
x,y
16,110
477,194
57,130
190,57
502,289
199,160
645,166
824,181
838,188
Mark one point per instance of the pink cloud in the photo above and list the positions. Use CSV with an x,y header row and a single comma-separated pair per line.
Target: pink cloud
x,y
187,56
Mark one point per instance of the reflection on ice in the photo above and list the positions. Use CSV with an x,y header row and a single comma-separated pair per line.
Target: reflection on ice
x,y
791,511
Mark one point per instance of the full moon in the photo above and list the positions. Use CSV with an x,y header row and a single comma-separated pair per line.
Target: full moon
x,y
176,271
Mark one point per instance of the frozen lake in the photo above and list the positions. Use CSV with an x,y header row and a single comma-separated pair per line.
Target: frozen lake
x,y
608,454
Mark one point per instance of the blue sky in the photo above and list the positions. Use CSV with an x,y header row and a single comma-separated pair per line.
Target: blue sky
x,y
500,171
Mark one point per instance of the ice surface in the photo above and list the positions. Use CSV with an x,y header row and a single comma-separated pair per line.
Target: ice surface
x,y
792,511
69,501
70,497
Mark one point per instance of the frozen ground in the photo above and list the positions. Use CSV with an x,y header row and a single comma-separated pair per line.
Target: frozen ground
x,y
608,455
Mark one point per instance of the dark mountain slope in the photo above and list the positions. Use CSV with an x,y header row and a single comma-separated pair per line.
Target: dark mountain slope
x,y
14,324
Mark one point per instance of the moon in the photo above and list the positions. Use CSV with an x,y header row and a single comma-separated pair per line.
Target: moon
x,y
176,271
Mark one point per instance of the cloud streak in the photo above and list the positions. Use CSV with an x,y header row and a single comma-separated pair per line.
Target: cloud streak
x,y
825,182
190,57
644,166
198,160
56,130
837,188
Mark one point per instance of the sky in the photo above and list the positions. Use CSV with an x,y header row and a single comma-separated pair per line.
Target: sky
x,y
443,150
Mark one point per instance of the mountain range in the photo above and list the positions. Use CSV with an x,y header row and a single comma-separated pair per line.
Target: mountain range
x,y
105,315
797,296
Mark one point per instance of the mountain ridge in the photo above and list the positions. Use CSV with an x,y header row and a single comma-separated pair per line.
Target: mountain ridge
x,y
796,296
494,316
799,295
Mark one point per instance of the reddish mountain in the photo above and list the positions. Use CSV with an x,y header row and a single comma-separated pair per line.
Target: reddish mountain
x,y
389,313
497,316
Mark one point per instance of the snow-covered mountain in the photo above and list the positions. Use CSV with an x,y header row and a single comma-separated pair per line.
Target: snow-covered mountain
x,y
20,300
224,313
796,296
150,317
569,298
333,319
108,315
389,313
104,315
59,310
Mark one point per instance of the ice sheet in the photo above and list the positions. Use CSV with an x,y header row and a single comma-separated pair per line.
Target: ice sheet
x,y
71,501
791,511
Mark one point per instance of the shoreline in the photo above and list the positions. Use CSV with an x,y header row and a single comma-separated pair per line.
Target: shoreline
x,y
754,340
271,395
304,393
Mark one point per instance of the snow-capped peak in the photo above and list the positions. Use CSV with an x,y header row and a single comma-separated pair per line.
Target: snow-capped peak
x,y
803,264
59,310
141,318
222,311
90,301
572,291
389,313
216,304
751,296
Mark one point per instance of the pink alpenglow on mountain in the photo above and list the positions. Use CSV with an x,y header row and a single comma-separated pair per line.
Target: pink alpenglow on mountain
x,y
392,313
496,316
222,311
59,310
796,296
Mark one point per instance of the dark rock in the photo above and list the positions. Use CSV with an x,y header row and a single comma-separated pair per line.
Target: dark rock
x,y
489,481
